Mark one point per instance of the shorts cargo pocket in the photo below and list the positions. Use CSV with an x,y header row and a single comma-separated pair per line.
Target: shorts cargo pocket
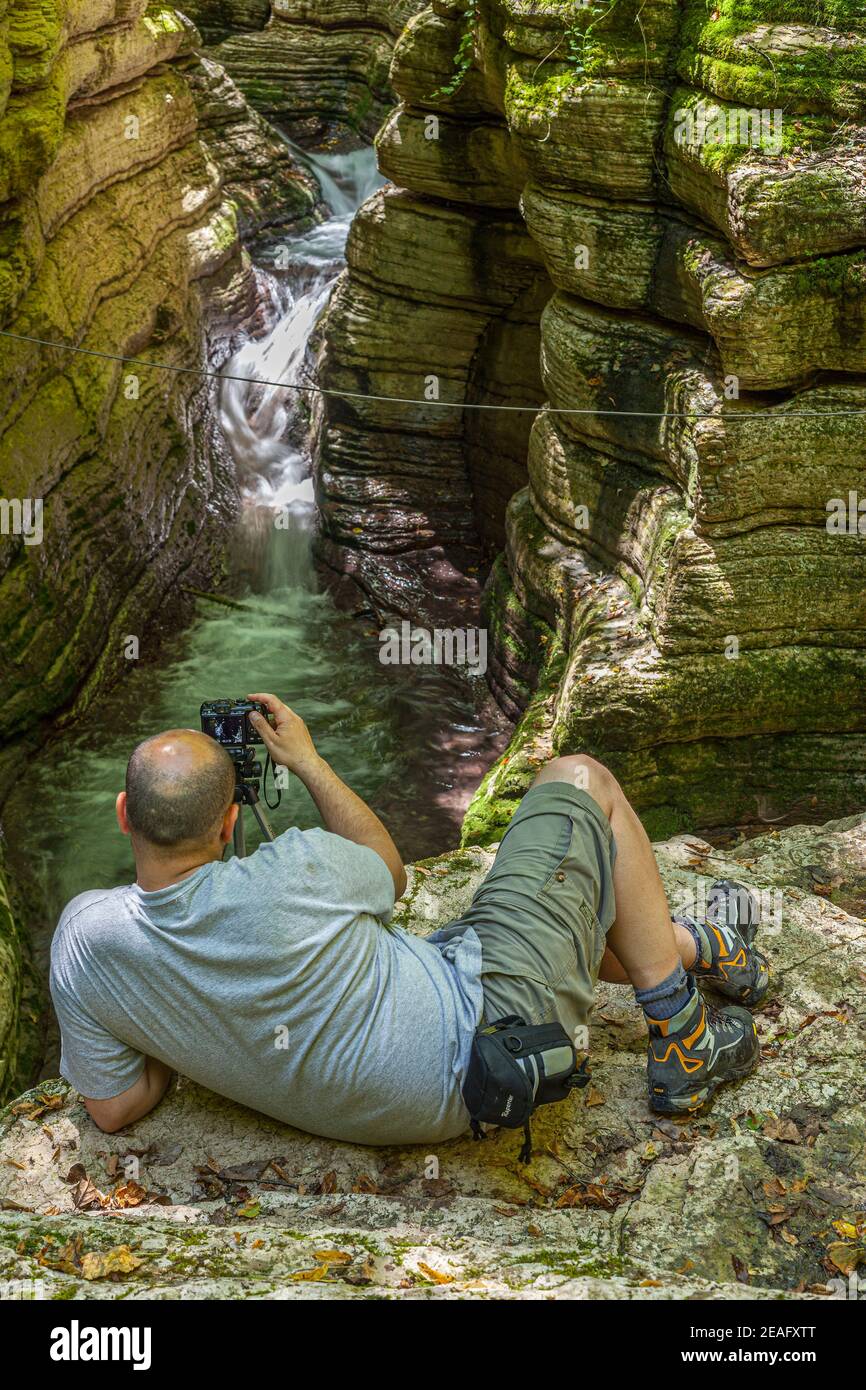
x,y
563,896
564,891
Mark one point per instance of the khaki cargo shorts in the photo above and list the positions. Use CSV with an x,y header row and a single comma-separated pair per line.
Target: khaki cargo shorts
x,y
544,910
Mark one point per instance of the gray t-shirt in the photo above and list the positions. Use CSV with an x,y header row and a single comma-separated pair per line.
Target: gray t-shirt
x,y
273,980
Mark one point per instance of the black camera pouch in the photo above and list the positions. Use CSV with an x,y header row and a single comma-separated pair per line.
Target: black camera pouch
x,y
514,1068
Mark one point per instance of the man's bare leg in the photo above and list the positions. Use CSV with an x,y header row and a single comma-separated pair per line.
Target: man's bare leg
x,y
692,1048
643,941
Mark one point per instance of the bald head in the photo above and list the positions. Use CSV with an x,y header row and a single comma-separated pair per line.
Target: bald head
x,y
179,786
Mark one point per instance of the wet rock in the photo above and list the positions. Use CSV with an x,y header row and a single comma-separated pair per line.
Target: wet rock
x,y
212,1200
271,191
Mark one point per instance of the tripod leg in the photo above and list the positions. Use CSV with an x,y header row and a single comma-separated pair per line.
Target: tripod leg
x,y
240,839
263,822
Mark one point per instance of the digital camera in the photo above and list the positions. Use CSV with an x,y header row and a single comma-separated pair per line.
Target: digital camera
x,y
228,721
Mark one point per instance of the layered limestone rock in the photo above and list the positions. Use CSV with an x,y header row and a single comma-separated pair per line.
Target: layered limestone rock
x,y
671,597
114,227
20,998
122,159
318,70
440,303
272,193
407,497
205,1199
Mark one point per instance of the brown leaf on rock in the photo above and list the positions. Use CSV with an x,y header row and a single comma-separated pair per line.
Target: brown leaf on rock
x,y
785,1131
775,1188
87,1196
129,1194
434,1274
281,1173
741,1269
311,1275
34,1109
120,1260
778,1217
66,1260
845,1258
588,1195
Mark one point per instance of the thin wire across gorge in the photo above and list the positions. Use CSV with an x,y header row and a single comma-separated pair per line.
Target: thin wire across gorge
x,y
746,417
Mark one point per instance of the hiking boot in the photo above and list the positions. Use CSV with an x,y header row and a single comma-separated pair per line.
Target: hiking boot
x,y
735,968
694,1053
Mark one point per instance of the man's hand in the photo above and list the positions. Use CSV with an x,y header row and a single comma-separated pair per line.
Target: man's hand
x,y
288,742
343,813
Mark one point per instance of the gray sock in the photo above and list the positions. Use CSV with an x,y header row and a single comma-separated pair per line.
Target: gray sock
x,y
704,951
667,997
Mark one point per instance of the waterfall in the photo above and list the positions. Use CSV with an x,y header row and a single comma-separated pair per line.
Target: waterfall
x,y
265,426
409,740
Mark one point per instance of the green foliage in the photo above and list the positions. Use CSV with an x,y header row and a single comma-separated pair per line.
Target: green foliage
x,y
584,47
465,52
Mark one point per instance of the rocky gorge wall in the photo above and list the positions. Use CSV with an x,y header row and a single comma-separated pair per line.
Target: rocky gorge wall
x,y
126,167
654,211
317,69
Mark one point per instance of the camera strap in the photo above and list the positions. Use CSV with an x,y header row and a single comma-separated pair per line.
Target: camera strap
x,y
513,1068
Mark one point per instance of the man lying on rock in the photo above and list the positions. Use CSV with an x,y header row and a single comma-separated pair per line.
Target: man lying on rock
x,y
275,979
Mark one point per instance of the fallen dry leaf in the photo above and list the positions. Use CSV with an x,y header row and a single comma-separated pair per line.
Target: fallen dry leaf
x,y
67,1260
129,1194
783,1130
846,1258
846,1229
120,1260
34,1109
434,1274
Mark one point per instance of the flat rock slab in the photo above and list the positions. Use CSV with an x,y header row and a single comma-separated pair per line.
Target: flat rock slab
x,y
764,1196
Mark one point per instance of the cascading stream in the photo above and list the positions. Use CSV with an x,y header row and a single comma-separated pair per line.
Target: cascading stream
x,y
406,738
266,426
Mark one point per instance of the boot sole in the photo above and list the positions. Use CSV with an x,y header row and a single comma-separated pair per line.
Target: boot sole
x,y
689,1105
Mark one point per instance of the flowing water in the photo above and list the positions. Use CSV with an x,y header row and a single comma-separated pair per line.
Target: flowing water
x,y
408,739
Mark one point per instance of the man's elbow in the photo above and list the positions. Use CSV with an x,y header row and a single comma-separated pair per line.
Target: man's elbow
x,y
106,1116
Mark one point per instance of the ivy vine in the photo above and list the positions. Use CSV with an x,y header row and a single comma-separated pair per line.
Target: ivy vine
x,y
465,51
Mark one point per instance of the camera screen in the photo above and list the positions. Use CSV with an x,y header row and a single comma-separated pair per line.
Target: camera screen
x,y
227,728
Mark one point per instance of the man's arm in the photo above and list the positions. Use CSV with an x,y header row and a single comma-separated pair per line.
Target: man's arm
x,y
290,745
111,1115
